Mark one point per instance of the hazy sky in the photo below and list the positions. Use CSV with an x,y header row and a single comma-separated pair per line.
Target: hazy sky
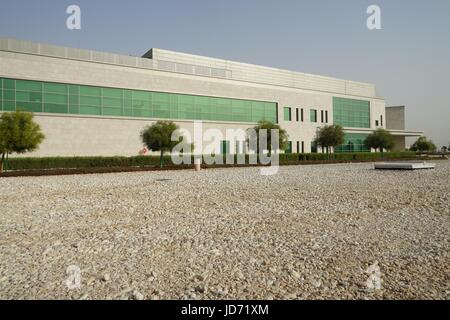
x,y
408,60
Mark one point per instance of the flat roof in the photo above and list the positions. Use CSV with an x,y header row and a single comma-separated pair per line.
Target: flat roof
x,y
171,61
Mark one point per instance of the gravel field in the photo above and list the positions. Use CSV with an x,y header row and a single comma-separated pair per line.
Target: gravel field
x,y
309,232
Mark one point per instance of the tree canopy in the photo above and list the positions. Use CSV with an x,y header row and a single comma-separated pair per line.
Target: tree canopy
x,y
380,139
268,126
423,144
158,137
330,136
18,134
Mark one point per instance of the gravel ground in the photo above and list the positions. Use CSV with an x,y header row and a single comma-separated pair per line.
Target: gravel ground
x,y
309,232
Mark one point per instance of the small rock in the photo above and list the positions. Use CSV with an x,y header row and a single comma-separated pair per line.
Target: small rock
x,y
200,289
295,275
106,277
137,295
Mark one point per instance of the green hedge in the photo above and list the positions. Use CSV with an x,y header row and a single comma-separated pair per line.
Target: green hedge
x,y
83,162
151,161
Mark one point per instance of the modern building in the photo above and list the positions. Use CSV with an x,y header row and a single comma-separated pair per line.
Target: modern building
x,y
97,103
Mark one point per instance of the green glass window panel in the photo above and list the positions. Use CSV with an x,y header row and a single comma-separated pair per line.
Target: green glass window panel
x,y
288,147
91,101
9,84
74,109
55,98
74,100
141,95
128,103
90,91
77,99
127,94
161,97
204,108
28,96
161,114
55,88
112,93
351,112
142,113
128,112
29,106
198,100
9,95
225,147
74,89
287,114
354,142
90,110
140,104
313,115
173,101
111,111
55,108
112,102
224,102
9,105
25,85
183,99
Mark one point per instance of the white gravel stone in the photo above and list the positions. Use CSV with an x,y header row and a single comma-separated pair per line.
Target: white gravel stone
x,y
309,232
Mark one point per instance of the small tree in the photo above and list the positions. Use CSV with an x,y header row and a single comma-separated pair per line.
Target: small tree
x,y
380,139
330,136
423,144
158,137
268,126
18,134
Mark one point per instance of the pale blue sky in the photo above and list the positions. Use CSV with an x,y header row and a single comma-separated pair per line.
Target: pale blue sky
x,y
408,60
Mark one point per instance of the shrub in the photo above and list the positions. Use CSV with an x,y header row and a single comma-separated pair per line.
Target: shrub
x,y
153,161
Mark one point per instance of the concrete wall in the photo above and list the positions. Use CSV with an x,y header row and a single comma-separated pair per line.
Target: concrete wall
x,y
86,135
395,118
261,74
400,143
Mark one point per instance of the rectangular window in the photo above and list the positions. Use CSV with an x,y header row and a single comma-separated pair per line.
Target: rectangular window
x,y
313,115
298,146
381,119
225,147
55,88
326,116
322,118
296,114
313,147
303,146
52,97
287,114
301,115
26,85
377,123
354,142
351,113
289,147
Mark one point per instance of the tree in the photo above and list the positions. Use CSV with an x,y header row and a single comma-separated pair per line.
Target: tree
x,y
158,137
444,149
268,126
330,136
423,144
380,139
18,134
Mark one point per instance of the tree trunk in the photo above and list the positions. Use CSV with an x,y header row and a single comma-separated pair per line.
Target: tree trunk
x,y
1,162
161,159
